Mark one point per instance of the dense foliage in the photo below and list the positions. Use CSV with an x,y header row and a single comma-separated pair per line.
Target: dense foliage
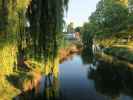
x,y
46,20
110,18
36,25
9,15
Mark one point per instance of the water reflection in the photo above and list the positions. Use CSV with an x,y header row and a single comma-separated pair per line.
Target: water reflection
x,y
46,89
87,56
35,85
81,77
113,79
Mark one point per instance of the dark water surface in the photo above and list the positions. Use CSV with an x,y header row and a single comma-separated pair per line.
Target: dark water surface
x,y
82,80
74,81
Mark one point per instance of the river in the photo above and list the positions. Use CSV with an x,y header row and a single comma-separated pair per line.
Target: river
x,y
84,78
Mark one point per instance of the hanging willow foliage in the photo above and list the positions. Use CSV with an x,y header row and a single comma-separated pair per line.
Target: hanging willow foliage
x,y
9,14
45,17
46,24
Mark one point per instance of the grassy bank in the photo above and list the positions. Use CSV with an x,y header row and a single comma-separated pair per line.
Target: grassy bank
x,y
7,59
14,80
123,53
118,47
68,49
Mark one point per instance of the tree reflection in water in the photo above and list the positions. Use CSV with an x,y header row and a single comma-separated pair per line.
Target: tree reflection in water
x,y
36,86
113,79
50,90
87,55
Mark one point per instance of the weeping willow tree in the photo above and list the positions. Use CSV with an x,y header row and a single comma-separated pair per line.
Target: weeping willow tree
x,y
9,15
45,18
3,16
8,27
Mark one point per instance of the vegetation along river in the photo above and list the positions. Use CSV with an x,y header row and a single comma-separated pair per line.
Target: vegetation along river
x,y
84,77
47,54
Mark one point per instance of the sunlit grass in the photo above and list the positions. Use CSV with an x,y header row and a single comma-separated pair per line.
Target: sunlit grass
x,y
7,59
121,48
107,42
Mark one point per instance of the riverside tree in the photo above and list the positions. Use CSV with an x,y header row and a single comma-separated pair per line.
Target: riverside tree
x,y
45,18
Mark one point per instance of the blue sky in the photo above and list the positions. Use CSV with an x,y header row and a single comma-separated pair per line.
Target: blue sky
x,y
79,11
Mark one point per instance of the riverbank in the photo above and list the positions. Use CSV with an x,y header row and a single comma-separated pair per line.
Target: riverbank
x,y
112,59
65,53
124,53
119,48
19,79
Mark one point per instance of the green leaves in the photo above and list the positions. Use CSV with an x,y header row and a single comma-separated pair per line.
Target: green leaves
x,y
109,18
46,24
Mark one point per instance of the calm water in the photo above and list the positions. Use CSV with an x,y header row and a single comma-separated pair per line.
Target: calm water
x,y
84,78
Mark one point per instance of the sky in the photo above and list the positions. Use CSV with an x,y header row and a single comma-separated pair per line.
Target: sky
x,y
79,11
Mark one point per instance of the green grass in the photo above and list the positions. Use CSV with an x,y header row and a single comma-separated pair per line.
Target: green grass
x,y
107,42
123,53
116,46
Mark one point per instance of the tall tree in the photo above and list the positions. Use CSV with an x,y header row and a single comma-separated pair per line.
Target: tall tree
x,y
106,14
46,24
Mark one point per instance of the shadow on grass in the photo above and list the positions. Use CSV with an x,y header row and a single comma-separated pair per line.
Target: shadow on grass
x,y
122,53
18,80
